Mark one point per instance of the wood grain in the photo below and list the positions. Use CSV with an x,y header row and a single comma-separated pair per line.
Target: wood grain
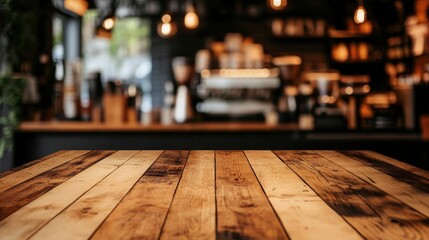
x,y
18,177
29,164
243,210
142,212
380,157
92,208
193,212
372,212
303,213
408,194
18,196
391,169
30,218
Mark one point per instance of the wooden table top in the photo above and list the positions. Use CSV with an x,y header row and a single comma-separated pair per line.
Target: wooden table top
x,y
215,195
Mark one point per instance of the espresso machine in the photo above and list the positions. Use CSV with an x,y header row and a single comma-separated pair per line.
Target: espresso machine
x,y
244,94
327,113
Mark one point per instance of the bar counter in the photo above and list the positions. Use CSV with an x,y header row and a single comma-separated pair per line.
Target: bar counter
x,y
215,195
36,139
135,127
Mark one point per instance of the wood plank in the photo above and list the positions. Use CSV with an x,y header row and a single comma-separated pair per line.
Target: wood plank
x,y
372,212
30,218
16,197
18,177
303,213
405,166
26,165
88,212
408,194
243,210
142,212
193,212
394,171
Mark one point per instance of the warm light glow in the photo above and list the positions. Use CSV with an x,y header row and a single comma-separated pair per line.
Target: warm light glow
x,y
366,88
349,90
108,23
360,15
77,6
166,18
278,4
166,28
191,19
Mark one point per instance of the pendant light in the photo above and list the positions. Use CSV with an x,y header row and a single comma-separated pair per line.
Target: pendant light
x,y
108,23
191,19
360,13
277,4
166,28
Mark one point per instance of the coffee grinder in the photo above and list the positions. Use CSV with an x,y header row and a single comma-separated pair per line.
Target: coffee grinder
x,y
290,72
353,90
183,72
327,114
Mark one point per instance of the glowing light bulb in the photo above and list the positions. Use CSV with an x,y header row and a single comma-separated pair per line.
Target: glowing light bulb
x,y
166,18
360,15
191,19
166,28
108,23
277,4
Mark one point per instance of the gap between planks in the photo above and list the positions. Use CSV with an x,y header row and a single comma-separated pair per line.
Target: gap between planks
x,y
404,192
20,176
89,211
302,212
40,211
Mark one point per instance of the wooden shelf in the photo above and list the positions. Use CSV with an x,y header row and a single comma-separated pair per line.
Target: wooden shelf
x,y
357,62
345,34
303,37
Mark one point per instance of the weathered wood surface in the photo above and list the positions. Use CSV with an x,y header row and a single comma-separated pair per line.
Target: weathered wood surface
x,y
407,167
34,169
243,210
215,195
405,192
89,211
142,212
295,202
372,212
16,197
391,169
29,219
193,212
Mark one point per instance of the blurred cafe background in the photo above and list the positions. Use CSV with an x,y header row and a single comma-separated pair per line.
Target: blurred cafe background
x,y
193,74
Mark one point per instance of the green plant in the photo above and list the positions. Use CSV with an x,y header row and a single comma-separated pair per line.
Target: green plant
x,y
10,104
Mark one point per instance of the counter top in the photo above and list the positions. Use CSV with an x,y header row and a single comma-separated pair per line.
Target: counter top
x,y
215,195
103,127
57,126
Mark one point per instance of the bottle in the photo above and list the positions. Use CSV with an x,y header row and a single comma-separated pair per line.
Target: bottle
x,y
131,110
167,109
95,87
306,118
59,90
114,102
70,100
